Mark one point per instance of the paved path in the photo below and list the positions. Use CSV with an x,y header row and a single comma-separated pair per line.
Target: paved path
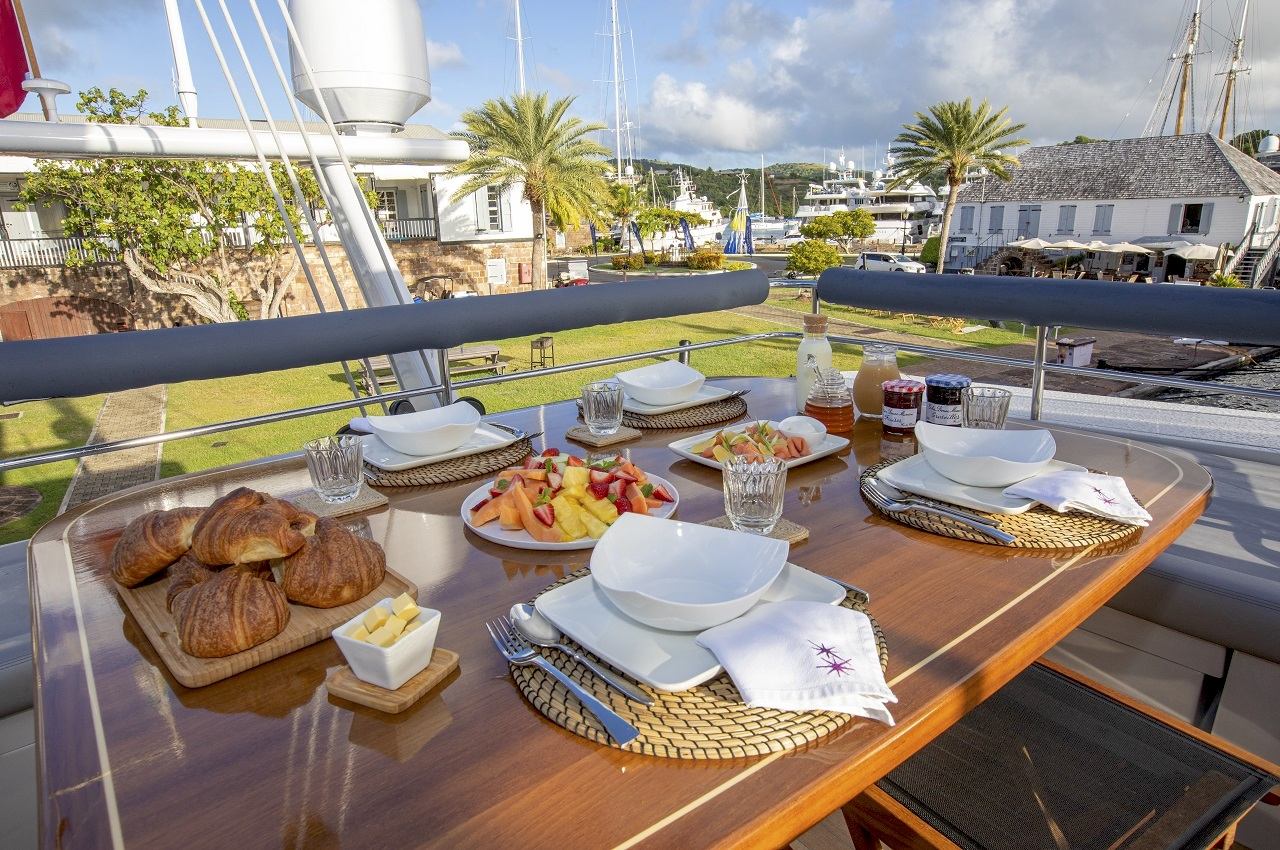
x,y
129,413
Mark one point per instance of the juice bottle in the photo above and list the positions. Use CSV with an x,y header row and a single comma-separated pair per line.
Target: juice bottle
x,y
879,364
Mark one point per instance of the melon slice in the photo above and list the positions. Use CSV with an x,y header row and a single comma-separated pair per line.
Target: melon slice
x,y
531,523
636,498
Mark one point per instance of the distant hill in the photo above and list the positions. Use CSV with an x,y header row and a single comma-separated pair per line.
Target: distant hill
x,y
780,179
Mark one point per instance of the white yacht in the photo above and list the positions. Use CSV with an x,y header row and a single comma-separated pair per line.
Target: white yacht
x,y
912,208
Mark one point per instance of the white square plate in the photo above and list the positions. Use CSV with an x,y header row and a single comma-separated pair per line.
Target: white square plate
x,y
668,661
915,475
486,438
829,445
705,395
520,539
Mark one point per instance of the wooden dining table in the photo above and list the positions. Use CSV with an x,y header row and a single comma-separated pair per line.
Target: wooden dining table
x,y
266,758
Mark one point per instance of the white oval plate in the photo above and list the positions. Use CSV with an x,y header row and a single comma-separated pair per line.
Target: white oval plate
x,y
705,395
494,533
830,445
915,475
485,439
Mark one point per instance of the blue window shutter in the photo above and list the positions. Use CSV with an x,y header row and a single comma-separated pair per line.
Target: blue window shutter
x,y
1175,218
1206,218
402,203
966,219
995,221
1066,218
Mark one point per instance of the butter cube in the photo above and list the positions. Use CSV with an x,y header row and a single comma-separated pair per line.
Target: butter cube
x,y
377,615
416,624
395,624
383,637
359,633
405,607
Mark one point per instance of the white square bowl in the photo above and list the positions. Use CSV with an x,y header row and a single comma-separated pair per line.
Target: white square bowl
x,y
668,382
389,667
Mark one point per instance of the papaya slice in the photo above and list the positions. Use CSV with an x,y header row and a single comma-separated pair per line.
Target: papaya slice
x,y
531,523
637,500
491,509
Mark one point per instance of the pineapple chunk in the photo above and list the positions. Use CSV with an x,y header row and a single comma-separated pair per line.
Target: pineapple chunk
x,y
568,516
595,527
603,509
376,616
577,492
405,607
395,624
576,476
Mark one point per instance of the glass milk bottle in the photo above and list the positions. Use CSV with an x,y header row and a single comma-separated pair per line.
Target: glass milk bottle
x,y
814,344
879,364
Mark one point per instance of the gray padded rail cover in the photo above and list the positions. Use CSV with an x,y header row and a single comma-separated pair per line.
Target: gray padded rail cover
x,y
83,365
1238,315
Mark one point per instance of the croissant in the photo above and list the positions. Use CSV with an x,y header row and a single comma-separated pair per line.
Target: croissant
x,y
184,574
245,526
334,567
229,612
152,542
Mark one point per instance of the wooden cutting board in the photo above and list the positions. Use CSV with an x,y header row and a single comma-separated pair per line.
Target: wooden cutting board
x,y
306,626
342,683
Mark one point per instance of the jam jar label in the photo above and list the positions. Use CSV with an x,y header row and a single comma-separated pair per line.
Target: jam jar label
x,y
943,414
898,417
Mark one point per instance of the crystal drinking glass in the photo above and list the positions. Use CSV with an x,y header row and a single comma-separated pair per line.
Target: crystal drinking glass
x,y
602,407
336,467
753,493
984,407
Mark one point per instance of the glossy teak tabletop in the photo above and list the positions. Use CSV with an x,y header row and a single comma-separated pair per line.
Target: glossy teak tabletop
x,y
266,759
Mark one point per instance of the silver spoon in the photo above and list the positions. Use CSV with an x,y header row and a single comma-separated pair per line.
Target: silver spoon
x,y
540,631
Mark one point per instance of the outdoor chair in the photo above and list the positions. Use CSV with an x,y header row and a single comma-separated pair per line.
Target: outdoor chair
x,y
1053,760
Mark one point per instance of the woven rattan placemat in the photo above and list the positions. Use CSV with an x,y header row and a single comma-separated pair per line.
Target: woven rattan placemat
x,y
457,469
1038,528
709,721
711,413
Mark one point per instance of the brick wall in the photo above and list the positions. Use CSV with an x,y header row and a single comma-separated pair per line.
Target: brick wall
x,y
464,262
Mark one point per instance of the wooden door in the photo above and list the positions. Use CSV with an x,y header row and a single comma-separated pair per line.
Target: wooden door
x,y
14,326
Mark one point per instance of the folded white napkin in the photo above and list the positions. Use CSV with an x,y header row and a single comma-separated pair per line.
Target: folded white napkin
x,y
360,424
804,656
1070,490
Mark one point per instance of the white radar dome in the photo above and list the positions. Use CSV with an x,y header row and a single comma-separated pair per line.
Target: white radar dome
x,y
369,60
1269,144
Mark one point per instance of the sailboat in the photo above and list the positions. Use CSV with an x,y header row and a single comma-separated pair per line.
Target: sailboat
x,y
767,228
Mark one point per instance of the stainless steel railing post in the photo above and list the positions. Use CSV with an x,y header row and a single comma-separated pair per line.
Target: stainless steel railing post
x,y
816,302
683,356
1037,372
446,380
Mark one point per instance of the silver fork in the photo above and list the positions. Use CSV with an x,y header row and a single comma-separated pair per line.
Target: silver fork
x,y
516,651
898,495
894,506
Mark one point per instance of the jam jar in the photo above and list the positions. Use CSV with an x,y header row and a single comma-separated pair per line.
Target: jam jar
x,y
903,400
830,401
944,393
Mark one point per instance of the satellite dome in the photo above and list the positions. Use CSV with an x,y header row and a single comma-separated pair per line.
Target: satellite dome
x,y
1269,144
630,170
833,166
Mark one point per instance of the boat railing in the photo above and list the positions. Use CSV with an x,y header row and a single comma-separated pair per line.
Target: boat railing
x,y
77,366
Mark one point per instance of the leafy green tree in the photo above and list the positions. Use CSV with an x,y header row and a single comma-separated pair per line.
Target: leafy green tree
x,y
1080,140
856,224
166,219
821,227
812,256
625,203
951,139
655,220
1249,141
929,251
530,141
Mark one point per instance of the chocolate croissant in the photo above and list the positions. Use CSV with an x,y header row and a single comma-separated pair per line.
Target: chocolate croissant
x,y
152,542
335,566
245,526
229,612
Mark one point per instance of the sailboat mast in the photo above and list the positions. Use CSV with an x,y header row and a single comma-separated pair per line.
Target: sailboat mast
x,y
617,83
519,50
762,211
1188,58
1237,53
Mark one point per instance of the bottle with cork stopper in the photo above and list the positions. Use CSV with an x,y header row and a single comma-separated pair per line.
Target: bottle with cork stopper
x,y
816,345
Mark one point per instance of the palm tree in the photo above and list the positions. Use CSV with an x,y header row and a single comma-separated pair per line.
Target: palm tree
x,y
951,139
528,140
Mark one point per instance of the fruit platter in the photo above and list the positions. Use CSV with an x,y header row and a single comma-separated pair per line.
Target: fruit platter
x,y
559,501
757,441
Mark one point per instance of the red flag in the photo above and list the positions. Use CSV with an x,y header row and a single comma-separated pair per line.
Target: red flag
x,y
13,61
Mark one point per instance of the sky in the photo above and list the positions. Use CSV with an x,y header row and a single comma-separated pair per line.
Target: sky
x,y
722,83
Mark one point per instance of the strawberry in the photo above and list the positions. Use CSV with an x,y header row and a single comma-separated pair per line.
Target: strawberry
x,y
480,504
661,494
622,504
555,479
533,462
573,461
545,515
551,453
624,476
616,487
599,476
599,490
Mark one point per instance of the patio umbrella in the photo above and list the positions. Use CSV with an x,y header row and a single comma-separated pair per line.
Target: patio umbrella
x,y
1033,244
1195,252
1117,248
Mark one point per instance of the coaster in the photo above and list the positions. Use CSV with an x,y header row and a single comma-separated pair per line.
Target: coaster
x,y
342,683
366,500
582,434
784,530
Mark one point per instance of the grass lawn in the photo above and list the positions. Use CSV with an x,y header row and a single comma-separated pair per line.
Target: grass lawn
x,y
44,426
916,325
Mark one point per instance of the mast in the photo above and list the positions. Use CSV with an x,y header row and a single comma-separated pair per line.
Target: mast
x,y
1237,52
762,211
519,49
1188,58
615,36
182,66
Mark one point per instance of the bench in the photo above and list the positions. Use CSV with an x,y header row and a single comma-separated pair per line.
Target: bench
x,y
464,356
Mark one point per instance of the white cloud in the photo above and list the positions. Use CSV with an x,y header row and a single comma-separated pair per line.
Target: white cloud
x,y
694,116
556,78
445,54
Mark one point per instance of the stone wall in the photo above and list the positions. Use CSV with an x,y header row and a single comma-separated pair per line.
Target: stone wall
x,y
417,259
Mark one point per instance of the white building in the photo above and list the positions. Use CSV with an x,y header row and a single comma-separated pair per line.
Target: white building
x,y
1192,188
